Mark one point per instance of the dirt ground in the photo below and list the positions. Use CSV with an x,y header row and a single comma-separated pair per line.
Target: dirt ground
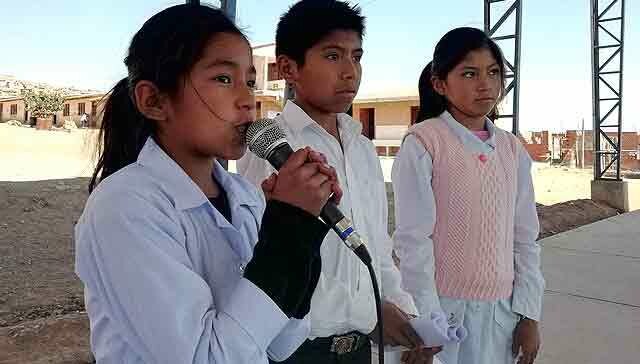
x,y
43,180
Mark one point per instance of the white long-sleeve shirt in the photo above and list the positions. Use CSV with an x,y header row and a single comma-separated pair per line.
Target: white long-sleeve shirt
x,y
415,213
163,271
343,300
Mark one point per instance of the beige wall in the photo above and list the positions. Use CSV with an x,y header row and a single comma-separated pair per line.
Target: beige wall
x,y
393,113
262,68
6,110
266,106
391,117
261,65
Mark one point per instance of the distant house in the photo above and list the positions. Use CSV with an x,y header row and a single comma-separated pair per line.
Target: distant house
x,y
75,106
385,117
13,108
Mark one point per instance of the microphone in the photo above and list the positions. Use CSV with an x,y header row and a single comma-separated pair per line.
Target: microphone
x,y
268,141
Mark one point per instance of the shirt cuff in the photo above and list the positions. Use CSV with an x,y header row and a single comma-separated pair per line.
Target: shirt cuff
x,y
254,311
526,308
405,303
289,340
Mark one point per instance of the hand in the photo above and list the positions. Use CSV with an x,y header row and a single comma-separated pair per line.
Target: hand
x,y
331,172
420,356
397,329
526,340
303,183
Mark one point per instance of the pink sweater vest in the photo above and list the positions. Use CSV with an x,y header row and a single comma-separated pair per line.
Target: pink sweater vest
x,y
475,206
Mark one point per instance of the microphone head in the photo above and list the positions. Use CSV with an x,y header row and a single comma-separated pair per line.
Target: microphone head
x,y
263,136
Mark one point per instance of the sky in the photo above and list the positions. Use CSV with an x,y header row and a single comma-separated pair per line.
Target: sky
x,y
82,43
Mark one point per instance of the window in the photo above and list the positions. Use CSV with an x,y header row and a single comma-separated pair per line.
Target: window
x,y
94,108
14,109
367,118
414,114
258,109
1,110
81,108
65,111
274,74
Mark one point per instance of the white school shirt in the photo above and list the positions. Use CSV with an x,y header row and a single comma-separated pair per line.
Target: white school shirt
x,y
163,270
415,213
343,300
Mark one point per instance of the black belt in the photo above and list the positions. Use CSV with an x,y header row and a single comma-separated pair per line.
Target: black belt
x,y
340,344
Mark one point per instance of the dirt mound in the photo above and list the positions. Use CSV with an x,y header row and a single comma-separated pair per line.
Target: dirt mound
x,y
569,215
63,339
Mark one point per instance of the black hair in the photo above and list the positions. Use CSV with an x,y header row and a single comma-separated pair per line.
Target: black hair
x,y
450,51
310,21
163,52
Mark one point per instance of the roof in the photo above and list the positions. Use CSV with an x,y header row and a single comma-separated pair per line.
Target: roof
x,y
10,98
93,95
86,96
390,94
264,45
371,100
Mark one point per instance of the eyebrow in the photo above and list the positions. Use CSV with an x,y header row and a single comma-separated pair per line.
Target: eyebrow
x,y
334,46
228,63
475,68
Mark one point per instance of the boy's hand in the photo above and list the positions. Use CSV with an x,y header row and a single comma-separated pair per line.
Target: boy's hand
x,y
526,340
303,182
420,356
397,329
329,171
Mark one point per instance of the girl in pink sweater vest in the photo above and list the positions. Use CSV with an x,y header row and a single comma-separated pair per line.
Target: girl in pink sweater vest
x,y
466,222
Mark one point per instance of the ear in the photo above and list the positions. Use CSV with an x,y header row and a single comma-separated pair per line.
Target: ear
x,y
439,85
288,69
150,101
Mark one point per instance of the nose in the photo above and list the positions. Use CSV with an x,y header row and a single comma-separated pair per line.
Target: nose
x,y
483,83
349,69
245,98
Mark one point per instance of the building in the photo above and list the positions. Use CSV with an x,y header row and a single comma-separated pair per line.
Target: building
x,y
537,145
270,85
385,117
567,149
75,106
12,108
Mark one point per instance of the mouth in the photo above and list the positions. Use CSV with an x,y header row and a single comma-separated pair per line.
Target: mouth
x,y
486,99
242,130
348,92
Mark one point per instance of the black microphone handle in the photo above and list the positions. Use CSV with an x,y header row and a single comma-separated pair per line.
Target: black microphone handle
x,y
279,155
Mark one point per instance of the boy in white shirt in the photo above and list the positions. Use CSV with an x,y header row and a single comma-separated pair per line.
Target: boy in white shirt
x,y
319,47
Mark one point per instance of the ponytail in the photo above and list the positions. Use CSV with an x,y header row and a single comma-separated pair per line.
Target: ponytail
x,y
123,132
432,104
